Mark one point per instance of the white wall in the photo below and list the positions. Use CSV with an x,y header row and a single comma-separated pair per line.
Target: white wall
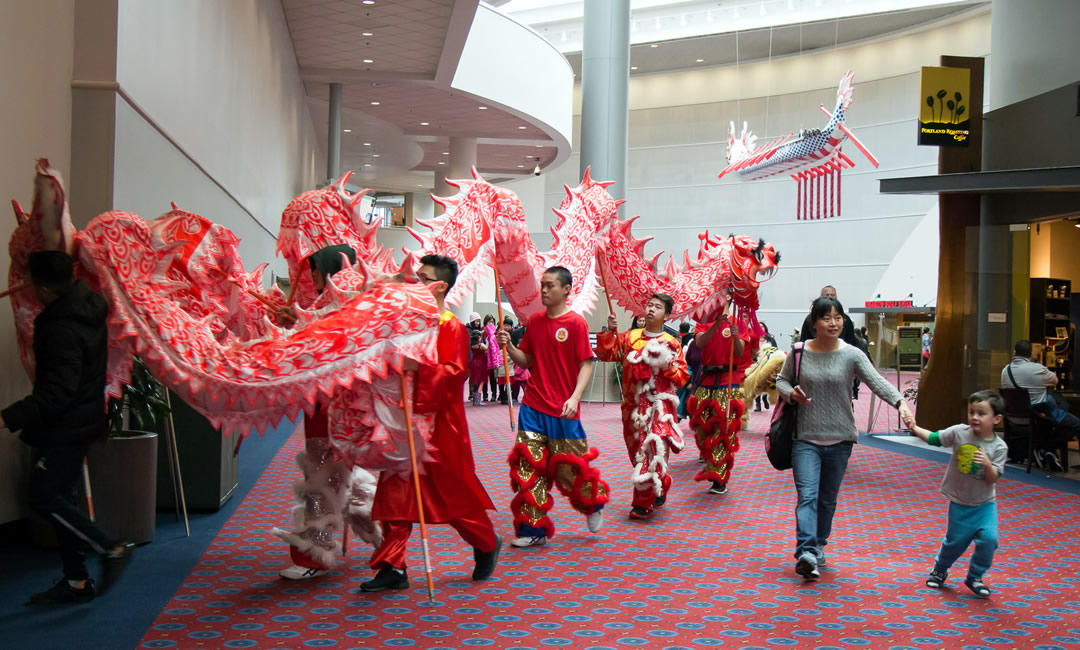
x,y
678,135
35,72
1035,43
221,79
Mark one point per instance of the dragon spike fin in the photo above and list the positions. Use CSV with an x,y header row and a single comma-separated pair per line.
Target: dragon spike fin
x,y
417,236
20,215
687,263
670,269
476,175
585,178
652,261
619,202
172,204
627,224
407,270
639,246
605,184
344,179
355,200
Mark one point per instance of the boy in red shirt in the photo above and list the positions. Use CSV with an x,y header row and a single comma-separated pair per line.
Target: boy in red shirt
x,y
721,349
551,443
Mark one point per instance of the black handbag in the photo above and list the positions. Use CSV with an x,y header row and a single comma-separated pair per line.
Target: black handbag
x,y
785,421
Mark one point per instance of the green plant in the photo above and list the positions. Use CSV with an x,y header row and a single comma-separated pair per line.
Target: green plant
x,y
143,405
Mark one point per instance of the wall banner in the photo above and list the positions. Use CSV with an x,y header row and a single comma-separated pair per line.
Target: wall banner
x,y
944,114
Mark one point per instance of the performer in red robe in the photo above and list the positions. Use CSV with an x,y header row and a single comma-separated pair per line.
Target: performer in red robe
x,y
452,493
653,369
718,394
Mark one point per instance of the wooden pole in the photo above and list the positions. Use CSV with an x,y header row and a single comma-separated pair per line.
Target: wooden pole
x,y
171,432
603,281
506,357
18,287
86,484
416,485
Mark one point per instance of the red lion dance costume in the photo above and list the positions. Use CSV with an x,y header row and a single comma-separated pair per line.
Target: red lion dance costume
x,y
653,369
717,406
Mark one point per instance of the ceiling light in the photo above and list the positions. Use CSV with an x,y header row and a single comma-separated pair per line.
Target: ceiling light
x,y
375,103
425,124
701,60
367,164
441,162
375,155
482,108
369,60
633,67
523,167
446,153
523,127
366,34
655,45
367,144
347,130
368,2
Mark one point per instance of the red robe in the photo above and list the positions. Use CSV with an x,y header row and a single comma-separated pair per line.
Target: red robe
x,y
448,482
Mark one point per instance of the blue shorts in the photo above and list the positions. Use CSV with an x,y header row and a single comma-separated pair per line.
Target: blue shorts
x,y
529,419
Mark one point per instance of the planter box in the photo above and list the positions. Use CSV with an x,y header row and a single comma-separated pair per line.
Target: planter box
x,y
123,477
208,462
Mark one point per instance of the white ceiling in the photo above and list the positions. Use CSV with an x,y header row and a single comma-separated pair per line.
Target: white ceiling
x,y
396,60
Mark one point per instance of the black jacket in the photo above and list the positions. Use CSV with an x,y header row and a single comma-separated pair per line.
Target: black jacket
x,y
71,346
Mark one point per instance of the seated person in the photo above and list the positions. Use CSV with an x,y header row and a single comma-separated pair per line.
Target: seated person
x,y
1036,378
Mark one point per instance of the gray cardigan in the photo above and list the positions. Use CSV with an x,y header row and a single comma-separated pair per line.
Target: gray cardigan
x,y
826,378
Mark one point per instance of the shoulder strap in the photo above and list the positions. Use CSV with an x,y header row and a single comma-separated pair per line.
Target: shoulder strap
x,y
797,351
1011,377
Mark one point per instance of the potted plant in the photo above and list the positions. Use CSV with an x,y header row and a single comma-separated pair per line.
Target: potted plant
x,y
123,465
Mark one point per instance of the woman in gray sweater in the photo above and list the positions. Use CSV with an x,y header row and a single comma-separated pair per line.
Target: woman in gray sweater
x,y
826,426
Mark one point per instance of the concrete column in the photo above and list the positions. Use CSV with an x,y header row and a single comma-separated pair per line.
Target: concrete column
x,y
605,87
333,134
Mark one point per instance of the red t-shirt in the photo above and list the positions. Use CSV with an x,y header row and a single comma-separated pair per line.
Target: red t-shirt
x,y
718,353
557,347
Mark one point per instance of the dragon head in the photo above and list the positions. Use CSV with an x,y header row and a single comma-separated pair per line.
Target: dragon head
x,y
732,268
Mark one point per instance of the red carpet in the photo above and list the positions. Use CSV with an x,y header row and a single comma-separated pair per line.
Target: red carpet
x,y
706,571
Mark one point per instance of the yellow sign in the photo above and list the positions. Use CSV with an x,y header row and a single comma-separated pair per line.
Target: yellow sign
x,y
944,110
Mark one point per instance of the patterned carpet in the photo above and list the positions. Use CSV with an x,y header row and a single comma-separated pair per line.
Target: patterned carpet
x,y
706,571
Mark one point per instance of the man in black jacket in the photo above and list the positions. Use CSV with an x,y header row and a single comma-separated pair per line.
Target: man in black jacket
x,y
62,416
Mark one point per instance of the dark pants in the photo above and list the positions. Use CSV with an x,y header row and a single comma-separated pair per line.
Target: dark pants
x,y
54,481
1066,425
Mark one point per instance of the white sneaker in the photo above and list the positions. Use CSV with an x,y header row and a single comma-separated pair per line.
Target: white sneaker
x,y
595,521
296,572
522,542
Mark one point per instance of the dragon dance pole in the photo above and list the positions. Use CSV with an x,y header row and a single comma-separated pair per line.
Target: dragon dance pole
x,y
18,287
603,280
505,355
416,484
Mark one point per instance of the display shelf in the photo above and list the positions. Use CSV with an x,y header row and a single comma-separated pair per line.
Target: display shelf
x,y
1051,327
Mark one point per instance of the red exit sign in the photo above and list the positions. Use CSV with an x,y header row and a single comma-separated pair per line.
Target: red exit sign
x,y
889,303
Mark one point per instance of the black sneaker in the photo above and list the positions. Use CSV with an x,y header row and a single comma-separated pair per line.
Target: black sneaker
x,y
1051,461
387,578
717,488
113,564
637,512
485,562
660,501
63,593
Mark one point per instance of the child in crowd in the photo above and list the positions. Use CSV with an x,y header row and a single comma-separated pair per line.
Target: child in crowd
x,y
978,459
478,366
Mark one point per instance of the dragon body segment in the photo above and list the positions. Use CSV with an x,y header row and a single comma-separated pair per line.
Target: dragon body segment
x,y
589,232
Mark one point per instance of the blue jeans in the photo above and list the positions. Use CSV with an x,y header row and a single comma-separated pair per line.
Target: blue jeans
x,y
818,472
967,524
